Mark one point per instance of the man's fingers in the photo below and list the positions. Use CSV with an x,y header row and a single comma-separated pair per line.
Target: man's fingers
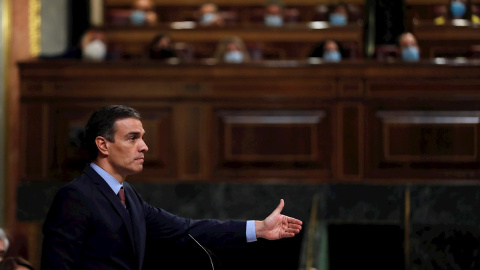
x,y
294,221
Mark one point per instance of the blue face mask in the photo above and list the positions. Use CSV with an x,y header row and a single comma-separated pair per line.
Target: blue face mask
x,y
337,19
208,18
233,57
410,54
138,17
273,20
458,9
332,56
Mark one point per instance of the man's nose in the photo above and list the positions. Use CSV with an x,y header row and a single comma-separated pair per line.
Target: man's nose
x,y
143,147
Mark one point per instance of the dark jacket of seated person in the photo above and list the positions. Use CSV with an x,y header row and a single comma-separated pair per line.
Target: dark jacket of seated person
x,y
161,48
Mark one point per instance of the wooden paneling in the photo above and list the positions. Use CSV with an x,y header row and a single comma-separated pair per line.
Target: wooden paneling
x,y
430,136
428,144
447,40
273,141
35,144
287,121
351,141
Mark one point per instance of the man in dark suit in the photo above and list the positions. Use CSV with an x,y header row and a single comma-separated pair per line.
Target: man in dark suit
x,y
89,227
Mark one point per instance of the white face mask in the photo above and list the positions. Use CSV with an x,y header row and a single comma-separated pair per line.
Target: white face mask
x,y
95,50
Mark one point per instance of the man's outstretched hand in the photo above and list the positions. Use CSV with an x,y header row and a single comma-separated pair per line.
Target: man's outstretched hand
x,y
277,226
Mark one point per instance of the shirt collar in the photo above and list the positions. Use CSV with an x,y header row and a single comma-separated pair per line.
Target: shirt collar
x,y
111,181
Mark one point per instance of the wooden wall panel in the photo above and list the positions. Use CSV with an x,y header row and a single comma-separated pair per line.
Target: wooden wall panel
x,y
35,144
272,121
351,141
188,141
423,87
439,143
272,140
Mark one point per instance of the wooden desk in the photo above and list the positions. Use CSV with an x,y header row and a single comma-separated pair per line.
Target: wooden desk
x,y
284,121
295,40
446,40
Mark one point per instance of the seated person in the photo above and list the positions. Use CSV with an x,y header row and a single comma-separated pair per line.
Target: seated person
x,y
328,50
208,15
339,14
273,15
143,13
231,50
92,46
162,48
458,9
408,47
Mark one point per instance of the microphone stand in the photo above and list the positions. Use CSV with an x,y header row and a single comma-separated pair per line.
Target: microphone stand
x,y
204,249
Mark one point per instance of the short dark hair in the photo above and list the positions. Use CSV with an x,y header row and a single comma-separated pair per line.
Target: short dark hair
x,y
102,123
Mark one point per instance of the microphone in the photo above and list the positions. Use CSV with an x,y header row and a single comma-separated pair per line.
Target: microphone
x,y
204,249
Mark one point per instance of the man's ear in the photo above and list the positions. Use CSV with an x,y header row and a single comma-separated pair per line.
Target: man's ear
x,y
102,145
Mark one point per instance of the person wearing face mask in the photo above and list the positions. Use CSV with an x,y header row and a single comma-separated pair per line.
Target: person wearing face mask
x,y
339,15
329,51
408,47
232,50
458,9
208,15
142,13
273,16
161,48
92,47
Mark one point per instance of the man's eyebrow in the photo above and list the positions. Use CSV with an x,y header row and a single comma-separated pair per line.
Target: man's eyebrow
x,y
137,133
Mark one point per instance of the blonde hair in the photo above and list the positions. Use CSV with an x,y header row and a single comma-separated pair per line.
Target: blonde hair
x,y
223,44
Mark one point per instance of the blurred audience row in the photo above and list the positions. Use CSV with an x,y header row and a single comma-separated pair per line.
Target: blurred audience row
x,y
231,49
275,13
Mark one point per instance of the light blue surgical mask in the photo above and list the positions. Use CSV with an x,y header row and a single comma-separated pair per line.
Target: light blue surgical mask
x,y
338,19
233,57
138,17
410,54
273,20
208,18
332,56
458,9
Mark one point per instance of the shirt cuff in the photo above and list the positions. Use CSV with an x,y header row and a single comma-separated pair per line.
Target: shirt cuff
x,y
251,236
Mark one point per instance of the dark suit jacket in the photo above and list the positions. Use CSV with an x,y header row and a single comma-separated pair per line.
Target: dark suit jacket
x,y
87,227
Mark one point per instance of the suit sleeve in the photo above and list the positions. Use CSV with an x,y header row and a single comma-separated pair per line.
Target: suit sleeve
x,y
64,231
162,225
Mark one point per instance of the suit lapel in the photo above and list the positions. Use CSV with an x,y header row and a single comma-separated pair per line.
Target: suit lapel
x,y
115,202
134,215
